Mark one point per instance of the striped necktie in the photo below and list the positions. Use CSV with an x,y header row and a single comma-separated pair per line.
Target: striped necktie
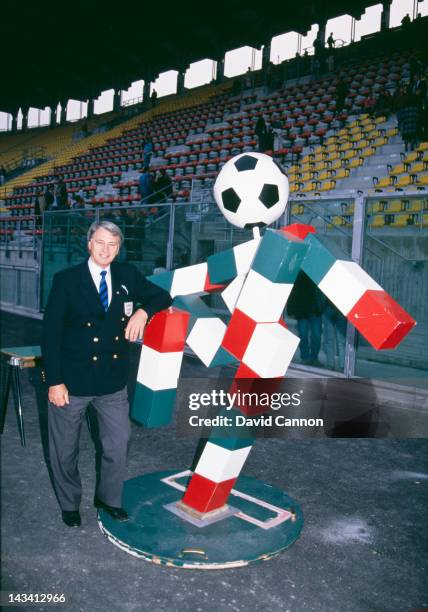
x,y
104,290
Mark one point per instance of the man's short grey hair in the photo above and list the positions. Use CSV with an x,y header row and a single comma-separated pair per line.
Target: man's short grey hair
x,y
107,225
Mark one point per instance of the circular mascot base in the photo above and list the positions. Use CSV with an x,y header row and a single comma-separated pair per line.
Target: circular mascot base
x,y
260,522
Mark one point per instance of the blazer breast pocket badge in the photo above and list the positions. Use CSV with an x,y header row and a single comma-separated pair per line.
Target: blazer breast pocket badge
x,y
128,308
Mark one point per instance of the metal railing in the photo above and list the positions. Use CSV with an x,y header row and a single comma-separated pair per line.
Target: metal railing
x,y
168,230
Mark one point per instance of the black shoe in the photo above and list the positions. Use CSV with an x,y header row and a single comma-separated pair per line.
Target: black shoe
x,y
71,518
119,514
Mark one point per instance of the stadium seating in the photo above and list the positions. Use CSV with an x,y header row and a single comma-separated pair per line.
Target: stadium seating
x,y
196,133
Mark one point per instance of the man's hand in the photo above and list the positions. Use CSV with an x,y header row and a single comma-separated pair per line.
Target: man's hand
x,y
136,324
58,395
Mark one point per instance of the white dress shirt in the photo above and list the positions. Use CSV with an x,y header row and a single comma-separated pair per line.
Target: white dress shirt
x,y
95,271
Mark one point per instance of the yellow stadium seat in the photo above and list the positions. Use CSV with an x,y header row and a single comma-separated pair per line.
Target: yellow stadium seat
x,y
422,179
402,181
418,166
327,185
399,169
355,162
400,221
377,206
335,163
385,181
367,152
297,209
377,221
394,206
309,186
425,220
411,156
391,132
379,142
422,147
341,173
322,165
414,205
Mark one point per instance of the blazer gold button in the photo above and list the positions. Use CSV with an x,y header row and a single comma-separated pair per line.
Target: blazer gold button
x,y
114,356
116,338
95,339
123,318
117,292
94,358
88,324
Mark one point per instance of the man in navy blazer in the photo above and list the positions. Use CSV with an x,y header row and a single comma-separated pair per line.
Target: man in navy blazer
x,y
94,310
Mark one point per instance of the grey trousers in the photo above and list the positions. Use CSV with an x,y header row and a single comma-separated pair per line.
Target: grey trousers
x,y
64,425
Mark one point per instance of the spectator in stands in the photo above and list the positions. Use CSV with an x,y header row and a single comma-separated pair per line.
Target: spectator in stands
x,y
341,95
417,86
260,130
330,41
148,150
145,186
410,115
61,194
154,98
49,198
304,304
385,104
2,175
406,21
318,64
278,135
162,186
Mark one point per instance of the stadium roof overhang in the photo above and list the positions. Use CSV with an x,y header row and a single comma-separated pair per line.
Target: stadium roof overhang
x,y
56,51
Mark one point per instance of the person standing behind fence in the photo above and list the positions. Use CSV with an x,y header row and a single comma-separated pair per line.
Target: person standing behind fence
x,y
162,186
304,304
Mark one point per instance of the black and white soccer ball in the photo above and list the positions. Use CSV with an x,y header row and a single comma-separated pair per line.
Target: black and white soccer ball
x,y
251,190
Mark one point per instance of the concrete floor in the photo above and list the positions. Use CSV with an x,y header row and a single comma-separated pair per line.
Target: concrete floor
x,y
363,547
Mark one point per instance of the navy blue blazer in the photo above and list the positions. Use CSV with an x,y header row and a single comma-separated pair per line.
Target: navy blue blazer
x,y
83,346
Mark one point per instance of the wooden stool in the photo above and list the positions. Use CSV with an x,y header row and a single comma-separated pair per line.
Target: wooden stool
x,y
17,358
